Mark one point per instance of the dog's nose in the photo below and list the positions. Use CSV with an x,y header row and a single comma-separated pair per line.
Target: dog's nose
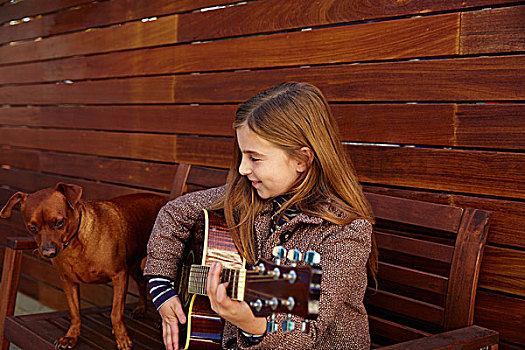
x,y
49,252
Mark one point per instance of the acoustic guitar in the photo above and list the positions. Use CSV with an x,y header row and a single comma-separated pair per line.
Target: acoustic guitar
x,y
268,287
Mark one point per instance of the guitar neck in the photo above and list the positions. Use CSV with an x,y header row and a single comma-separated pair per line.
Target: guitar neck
x,y
236,278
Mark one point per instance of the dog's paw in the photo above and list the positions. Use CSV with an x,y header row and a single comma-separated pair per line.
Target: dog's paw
x,y
65,343
124,343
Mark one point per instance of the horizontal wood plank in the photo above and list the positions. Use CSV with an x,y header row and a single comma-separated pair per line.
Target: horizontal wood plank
x,y
475,172
472,337
406,306
117,171
125,145
415,247
392,330
414,278
29,8
428,215
363,42
466,79
492,126
253,17
27,181
502,313
130,35
493,31
466,125
185,119
96,14
503,270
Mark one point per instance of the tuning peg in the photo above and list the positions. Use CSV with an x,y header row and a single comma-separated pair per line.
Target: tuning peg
x,y
305,326
260,269
272,326
278,252
273,303
257,305
289,303
290,277
312,257
288,324
294,255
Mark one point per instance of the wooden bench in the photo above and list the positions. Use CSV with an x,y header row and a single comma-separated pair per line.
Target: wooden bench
x,y
430,257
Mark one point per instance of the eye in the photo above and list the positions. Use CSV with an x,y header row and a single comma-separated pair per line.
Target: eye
x,y
59,223
33,228
253,159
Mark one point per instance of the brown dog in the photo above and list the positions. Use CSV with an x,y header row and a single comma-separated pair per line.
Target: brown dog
x,y
91,242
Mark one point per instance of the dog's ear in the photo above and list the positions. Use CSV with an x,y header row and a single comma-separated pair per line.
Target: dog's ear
x,y
14,200
71,192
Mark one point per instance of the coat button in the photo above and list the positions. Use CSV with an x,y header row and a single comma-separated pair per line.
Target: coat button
x,y
285,236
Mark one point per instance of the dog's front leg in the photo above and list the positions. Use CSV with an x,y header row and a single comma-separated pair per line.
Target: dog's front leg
x,y
120,288
70,339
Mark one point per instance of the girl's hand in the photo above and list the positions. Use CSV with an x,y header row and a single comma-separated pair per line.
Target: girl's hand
x,y
238,313
171,313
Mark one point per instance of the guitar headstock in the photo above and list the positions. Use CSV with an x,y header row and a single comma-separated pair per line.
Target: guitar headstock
x,y
272,287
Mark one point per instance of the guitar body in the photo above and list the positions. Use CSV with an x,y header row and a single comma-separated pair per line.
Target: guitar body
x,y
204,327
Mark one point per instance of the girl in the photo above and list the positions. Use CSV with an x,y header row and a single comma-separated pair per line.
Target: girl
x,y
289,184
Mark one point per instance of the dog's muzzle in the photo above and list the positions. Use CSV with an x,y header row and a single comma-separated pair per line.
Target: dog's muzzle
x,y
49,250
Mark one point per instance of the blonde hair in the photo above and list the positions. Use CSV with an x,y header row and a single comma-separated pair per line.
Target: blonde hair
x,y
292,116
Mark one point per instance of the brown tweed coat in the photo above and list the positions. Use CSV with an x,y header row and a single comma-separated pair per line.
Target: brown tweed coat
x,y
342,321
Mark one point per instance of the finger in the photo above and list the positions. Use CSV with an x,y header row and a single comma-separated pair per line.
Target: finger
x,y
166,335
213,279
222,295
180,312
175,335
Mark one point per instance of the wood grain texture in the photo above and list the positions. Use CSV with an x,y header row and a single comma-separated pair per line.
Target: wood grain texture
x,y
507,217
127,36
96,14
363,42
501,312
493,31
252,18
406,306
491,126
474,172
464,270
27,181
465,79
35,7
396,331
503,270
184,119
464,125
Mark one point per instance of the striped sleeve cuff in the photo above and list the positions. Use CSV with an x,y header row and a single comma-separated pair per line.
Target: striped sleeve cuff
x,y
161,289
253,339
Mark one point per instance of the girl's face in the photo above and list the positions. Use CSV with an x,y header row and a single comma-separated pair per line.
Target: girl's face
x,y
270,169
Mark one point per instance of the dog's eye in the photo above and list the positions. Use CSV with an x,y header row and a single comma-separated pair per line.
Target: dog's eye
x,y
59,223
33,228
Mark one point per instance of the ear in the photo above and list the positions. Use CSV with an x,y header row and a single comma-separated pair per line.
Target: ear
x,y
14,200
307,159
71,192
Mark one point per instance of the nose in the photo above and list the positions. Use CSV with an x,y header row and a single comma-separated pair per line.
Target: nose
x,y
49,250
244,169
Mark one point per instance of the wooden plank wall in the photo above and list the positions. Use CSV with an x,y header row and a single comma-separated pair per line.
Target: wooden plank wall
x,y
429,94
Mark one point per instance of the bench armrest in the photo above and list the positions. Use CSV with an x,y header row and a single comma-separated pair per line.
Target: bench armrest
x,y
21,243
467,338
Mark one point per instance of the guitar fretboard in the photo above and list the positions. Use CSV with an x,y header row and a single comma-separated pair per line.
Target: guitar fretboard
x,y
199,276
